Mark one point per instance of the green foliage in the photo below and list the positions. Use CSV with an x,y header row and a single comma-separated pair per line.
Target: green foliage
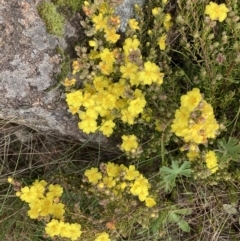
x,y
169,175
229,150
54,21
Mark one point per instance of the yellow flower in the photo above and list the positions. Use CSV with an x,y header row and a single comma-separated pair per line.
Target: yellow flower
x,y
28,194
93,54
57,210
150,73
211,161
103,237
100,82
136,106
138,94
167,23
109,182
191,100
162,42
107,56
192,155
74,98
129,70
46,206
117,89
104,8
159,80
107,127
10,180
33,212
133,24
131,173
150,202
216,12
73,109
65,231
134,80
93,175
55,190
122,185
53,228
88,123
127,116
88,100
156,11
38,189
105,68
92,112
75,230
18,194
111,36
100,22
93,43
76,67
129,143
109,101
139,189
88,126
130,45
112,169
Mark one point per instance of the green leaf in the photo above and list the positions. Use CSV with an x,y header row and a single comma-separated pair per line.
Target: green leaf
x,y
174,218
230,149
183,211
184,226
169,175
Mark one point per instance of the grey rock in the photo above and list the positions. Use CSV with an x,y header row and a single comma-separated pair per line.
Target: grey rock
x,y
29,65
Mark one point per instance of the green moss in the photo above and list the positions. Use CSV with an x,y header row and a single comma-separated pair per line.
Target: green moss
x,y
74,5
54,21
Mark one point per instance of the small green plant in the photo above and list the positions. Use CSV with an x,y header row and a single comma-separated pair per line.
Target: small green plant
x,y
169,175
